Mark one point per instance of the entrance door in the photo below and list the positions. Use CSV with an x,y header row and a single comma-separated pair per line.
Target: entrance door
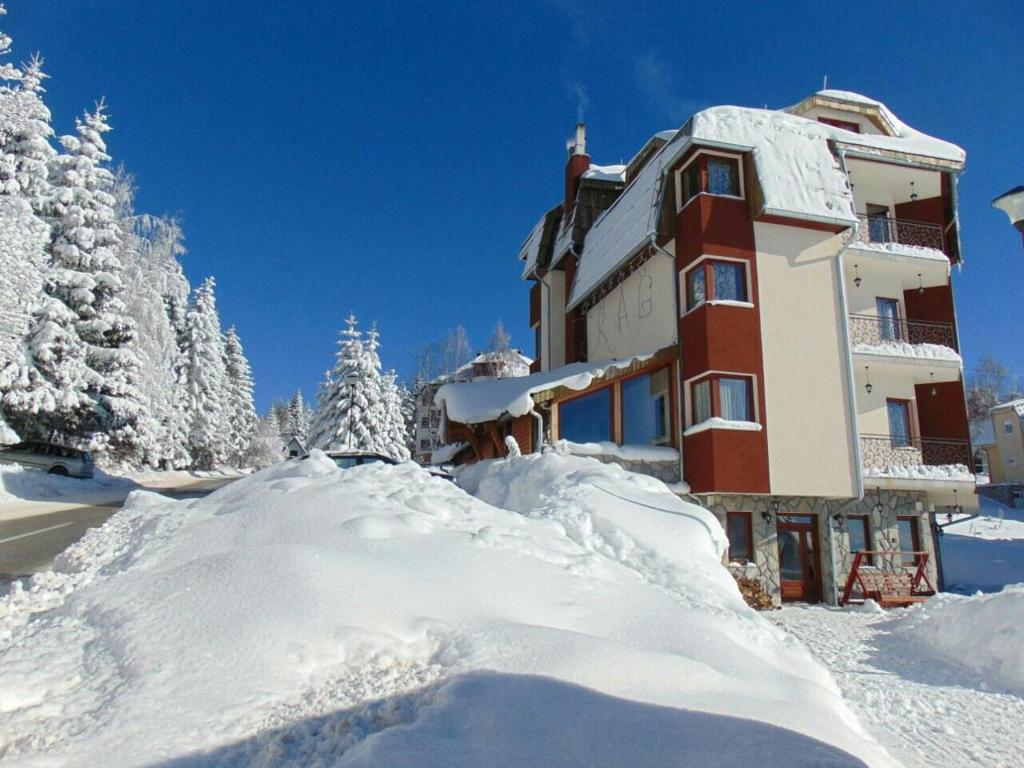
x,y
799,564
878,223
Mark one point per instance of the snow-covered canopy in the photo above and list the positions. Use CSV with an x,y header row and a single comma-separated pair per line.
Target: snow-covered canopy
x,y
798,174
606,173
474,402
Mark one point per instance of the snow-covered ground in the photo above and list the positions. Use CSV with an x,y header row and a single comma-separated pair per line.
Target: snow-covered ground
x,y
985,553
382,616
928,698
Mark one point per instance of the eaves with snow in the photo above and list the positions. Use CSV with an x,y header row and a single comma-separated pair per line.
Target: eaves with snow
x,y
798,171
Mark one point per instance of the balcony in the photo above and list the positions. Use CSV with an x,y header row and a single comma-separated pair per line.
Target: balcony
x,y
872,331
915,458
883,232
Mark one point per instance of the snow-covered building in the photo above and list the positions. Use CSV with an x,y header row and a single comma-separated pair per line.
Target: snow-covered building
x,y
1002,442
491,364
757,306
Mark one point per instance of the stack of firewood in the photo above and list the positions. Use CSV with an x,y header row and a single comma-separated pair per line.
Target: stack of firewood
x,y
754,594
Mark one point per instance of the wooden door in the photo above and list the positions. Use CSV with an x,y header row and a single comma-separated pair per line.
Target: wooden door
x,y
799,562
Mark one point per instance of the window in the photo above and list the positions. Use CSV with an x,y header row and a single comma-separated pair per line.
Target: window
x,y
1008,427
586,419
860,535
899,422
710,174
645,409
878,223
424,445
723,176
728,397
844,124
425,421
738,528
909,538
715,280
889,326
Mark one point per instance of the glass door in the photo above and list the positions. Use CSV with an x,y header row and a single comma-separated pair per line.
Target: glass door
x,y
878,223
799,569
889,326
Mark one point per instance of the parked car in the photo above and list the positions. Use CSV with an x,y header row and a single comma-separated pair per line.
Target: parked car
x,y
49,457
349,459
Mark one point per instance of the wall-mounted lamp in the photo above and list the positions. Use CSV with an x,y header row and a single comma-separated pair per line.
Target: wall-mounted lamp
x,y
838,519
934,390
913,194
856,271
867,375
769,515
920,284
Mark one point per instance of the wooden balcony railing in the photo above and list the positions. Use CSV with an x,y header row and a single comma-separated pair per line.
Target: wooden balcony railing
x,y
879,230
874,330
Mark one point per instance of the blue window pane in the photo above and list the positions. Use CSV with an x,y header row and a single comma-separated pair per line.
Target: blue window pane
x,y
586,419
730,281
644,409
695,289
723,178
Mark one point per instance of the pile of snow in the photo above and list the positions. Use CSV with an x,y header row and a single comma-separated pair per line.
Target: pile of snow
x,y
474,402
18,484
616,451
958,472
982,633
381,616
864,242
717,422
985,553
905,349
606,173
445,453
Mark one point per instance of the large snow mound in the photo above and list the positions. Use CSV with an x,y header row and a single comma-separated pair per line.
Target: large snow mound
x,y
307,615
982,633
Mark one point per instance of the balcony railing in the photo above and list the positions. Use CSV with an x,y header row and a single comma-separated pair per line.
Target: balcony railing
x,y
874,331
887,451
879,230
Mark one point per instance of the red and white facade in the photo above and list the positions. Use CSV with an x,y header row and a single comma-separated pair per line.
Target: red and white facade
x,y
776,288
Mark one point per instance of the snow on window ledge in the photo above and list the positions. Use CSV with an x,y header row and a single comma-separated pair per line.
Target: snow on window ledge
x,y
614,450
716,422
730,303
899,249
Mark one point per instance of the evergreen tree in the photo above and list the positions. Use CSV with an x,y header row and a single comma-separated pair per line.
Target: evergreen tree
x,y
241,411
343,416
299,417
396,432
207,385
265,448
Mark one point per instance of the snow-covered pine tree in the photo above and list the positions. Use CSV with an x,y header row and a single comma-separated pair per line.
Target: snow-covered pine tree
x,y
207,385
396,433
375,395
343,417
299,417
85,275
25,151
242,412
500,340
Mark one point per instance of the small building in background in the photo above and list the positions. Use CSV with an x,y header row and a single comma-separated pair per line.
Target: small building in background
x,y
1003,446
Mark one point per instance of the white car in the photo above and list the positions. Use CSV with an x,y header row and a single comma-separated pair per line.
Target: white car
x,y
49,457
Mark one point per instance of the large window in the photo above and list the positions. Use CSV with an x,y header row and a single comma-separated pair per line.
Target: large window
x,y
738,528
889,325
586,419
645,412
728,397
714,280
710,174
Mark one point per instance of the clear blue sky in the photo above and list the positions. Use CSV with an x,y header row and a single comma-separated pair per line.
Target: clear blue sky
x,y
390,158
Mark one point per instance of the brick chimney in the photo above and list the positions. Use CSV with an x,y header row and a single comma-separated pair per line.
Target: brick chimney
x,y
575,166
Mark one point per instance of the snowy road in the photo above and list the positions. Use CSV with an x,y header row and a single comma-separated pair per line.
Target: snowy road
x,y
30,541
924,711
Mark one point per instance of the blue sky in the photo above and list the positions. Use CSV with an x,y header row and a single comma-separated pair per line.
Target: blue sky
x,y
390,158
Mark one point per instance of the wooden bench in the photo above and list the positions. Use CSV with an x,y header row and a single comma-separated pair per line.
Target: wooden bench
x,y
896,586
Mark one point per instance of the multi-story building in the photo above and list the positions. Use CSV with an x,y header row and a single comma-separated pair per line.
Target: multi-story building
x,y
492,364
758,305
1001,441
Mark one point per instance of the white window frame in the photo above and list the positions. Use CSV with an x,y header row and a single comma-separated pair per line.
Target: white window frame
x,y
698,262
678,177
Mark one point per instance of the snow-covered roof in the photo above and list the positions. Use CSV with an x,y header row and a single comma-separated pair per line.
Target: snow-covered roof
x,y
606,173
474,402
1016,405
531,246
798,174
